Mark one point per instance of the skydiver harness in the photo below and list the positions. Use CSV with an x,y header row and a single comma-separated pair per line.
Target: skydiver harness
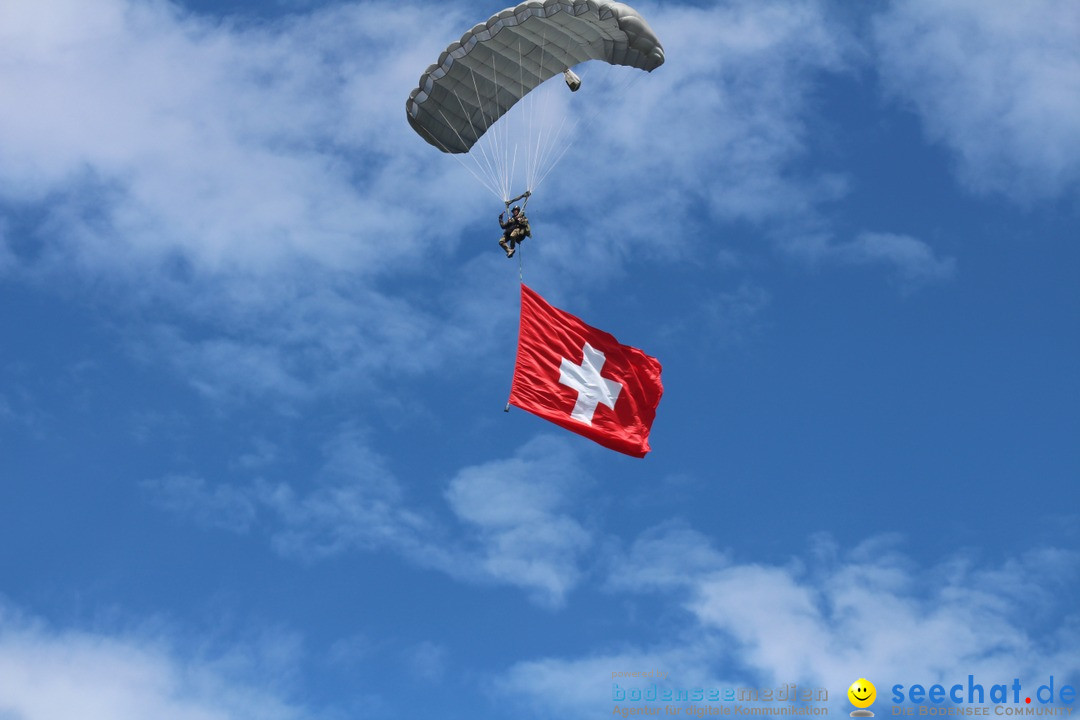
x,y
519,223
523,196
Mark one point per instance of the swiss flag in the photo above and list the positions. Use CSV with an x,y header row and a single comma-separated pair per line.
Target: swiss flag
x,y
583,379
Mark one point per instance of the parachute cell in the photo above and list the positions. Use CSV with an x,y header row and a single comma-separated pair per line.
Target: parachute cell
x,y
495,64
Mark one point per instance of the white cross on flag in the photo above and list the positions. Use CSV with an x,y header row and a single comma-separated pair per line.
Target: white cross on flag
x,y
583,379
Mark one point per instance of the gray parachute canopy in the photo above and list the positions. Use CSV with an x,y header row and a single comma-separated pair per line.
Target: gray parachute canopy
x,y
480,77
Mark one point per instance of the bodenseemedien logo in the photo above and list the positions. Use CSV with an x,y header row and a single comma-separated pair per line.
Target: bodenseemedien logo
x,y
862,694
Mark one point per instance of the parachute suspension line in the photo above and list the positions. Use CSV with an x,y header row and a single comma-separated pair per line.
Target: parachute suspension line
x,y
492,160
528,115
500,149
587,122
484,166
509,162
550,164
495,145
510,175
555,149
550,145
545,164
534,166
535,135
536,139
481,177
480,170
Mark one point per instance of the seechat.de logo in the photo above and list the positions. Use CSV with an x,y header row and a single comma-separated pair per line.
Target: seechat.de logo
x,y
862,694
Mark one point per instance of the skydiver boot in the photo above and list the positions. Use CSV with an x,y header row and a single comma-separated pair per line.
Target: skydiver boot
x,y
509,250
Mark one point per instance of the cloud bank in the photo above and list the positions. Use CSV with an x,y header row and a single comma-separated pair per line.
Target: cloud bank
x,y
46,673
997,83
510,521
822,620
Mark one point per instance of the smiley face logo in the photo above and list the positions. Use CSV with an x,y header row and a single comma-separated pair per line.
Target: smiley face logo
x,y
862,694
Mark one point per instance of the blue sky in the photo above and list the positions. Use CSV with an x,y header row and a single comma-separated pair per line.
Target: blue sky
x,y
256,337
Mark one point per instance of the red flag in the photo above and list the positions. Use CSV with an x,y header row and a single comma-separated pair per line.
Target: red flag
x,y
583,379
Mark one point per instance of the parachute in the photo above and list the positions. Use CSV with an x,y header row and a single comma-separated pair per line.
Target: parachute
x,y
496,64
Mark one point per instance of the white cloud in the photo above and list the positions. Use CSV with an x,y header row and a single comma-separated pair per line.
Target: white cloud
x,y
874,611
736,314
47,673
998,83
226,144
8,260
714,135
311,337
822,621
514,520
914,261
583,687
667,556
351,502
518,514
239,188
356,504
426,660
224,506
248,189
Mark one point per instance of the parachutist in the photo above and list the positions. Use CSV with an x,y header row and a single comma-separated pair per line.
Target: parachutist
x,y
515,230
